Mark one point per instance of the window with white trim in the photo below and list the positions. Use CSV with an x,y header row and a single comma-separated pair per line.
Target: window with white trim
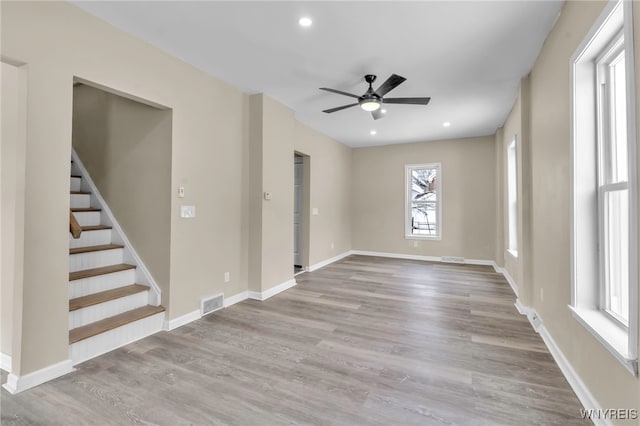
x,y
423,201
604,295
512,197
613,183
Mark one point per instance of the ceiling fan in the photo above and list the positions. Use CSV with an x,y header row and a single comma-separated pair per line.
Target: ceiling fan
x,y
373,99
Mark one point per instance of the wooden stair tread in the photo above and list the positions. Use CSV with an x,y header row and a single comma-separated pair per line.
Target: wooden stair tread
x,y
89,249
110,323
80,193
95,227
85,209
105,296
86,273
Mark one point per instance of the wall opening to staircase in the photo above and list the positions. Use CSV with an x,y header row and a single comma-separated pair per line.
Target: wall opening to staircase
x,y
120,221
125,145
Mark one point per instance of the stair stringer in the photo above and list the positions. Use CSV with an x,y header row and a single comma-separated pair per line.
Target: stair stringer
x,y
143,275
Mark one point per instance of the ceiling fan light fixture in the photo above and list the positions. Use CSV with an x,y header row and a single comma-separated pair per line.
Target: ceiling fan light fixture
x,y
370,105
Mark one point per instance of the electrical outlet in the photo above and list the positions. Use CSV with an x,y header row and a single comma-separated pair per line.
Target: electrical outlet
x,y
188,212
227,277
416,243
333,245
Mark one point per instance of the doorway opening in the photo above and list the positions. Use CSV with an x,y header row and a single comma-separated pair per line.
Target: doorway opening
x,y
300,213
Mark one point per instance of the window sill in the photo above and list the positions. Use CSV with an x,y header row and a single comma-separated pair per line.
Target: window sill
x,y
513,253
608,333
422,237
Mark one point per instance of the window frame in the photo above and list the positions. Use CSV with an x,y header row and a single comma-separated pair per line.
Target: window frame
x,y
408,168
605,117
586,195
512,190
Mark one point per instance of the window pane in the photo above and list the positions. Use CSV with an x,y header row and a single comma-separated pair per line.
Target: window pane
x,y
618,145
423,218
423,200
424,185
616,253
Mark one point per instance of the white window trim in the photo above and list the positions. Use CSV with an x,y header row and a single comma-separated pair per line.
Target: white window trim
x,y
622,343
512,227
407,202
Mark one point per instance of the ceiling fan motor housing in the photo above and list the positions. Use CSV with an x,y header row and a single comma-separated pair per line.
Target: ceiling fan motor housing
x,y
369,95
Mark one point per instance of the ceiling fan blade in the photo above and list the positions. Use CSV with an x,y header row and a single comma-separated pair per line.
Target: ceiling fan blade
x,y
392,82
339,108
339,92
408,101
377,114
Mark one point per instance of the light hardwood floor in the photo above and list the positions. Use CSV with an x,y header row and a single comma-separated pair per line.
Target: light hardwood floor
x,y
364,341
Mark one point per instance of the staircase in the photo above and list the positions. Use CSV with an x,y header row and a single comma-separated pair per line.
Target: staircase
x,y
113,300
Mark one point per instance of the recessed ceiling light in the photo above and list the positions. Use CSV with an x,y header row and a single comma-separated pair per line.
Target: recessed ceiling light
x,y
373,132
305,21
446,124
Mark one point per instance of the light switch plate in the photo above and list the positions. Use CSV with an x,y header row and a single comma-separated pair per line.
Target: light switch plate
x,y
188,212
181,192
267,195
314,211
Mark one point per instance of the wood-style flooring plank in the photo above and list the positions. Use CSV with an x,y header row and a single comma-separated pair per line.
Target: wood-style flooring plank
x,y
363,341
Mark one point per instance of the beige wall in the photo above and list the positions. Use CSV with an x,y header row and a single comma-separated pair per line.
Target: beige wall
x,y
468,197
330,164
126,148
277,178
548,279
207,153
271,221
12,153
254,193
516,125
275,136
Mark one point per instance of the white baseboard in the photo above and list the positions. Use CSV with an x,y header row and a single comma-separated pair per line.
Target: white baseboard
x,y
576,383
511,281
328,261
5,362
236,298
523,310
169,325
441,259
16,384
264,295
396,255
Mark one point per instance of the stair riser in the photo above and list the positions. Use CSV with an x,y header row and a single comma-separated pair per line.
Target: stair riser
x,y
95,259
105,342
87,218
76,184
91,238
86,286
94,313
80,201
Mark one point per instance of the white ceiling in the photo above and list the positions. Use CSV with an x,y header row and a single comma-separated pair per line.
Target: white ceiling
x,y
467,56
